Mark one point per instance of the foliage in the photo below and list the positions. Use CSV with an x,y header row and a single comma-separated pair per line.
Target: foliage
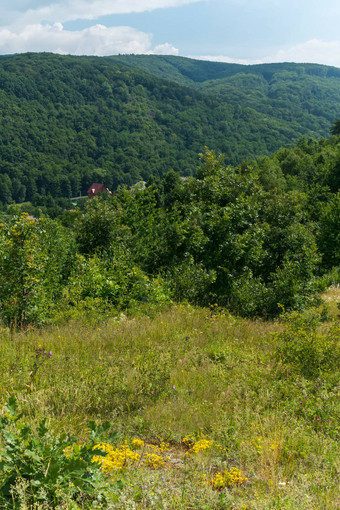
x,y
35,259
191,281
329,234
98,226
218,238
291,252
46,463
113,281
335,129
307,350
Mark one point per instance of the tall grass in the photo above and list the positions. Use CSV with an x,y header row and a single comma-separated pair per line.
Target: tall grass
x,y
186,371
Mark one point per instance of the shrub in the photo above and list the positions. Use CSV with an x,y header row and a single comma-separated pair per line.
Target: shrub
x,y
35,260
42,464
329,236
248,296
191,281
305,348
116,281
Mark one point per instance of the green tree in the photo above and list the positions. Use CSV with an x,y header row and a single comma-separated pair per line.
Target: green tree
x,y
99,225
329,235
35,260
335,128
291,255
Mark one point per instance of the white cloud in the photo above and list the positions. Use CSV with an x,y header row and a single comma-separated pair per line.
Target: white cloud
x,y
40,28
227,60
164,49
314,51
96,40
20,15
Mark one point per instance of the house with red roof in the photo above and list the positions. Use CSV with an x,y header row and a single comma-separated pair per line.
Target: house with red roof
x,y
96,188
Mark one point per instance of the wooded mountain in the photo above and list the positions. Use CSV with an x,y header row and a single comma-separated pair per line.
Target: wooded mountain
x,y
69,121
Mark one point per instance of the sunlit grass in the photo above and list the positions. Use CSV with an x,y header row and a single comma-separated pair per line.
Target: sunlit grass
x,y
185,371
332,298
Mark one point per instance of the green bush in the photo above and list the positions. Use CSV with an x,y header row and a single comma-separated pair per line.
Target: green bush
x,y
306,348
35,260
117,282
191,281
332,277
45,467
248,296
329,235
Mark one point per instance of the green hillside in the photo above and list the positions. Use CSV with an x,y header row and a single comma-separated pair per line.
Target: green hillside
x,y
188,71
69,121
302,93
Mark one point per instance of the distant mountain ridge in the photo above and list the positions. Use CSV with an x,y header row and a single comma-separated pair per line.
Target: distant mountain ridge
x,y
68,121
186,70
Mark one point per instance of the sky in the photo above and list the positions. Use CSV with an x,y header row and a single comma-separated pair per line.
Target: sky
x,y
242,31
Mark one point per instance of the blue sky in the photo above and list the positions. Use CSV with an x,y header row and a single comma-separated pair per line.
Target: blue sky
x,y
245,31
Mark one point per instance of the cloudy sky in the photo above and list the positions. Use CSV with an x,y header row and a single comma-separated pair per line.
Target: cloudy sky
x,y
245,31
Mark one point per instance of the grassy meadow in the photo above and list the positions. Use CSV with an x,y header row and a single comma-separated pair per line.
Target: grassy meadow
x,y
209,411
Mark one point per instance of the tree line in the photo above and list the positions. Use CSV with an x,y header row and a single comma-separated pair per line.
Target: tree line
x,y
255,238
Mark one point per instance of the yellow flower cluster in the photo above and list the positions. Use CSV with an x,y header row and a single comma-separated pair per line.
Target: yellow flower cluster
x,y
227,479
163,447
116,458
137,443
202,444
197,445
122,457
153,460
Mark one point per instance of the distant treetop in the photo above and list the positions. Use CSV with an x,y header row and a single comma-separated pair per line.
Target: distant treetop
x,y
335,129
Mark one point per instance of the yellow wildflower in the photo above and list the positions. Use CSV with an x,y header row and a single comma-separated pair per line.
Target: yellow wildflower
x,y
196,446
164,447
202,444
227,479
137,443
154,461
116,458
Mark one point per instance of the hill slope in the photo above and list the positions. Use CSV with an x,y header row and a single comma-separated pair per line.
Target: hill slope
x,y
187,71
185,373
68,121
306,93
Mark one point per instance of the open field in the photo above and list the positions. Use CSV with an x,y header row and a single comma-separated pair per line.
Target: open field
x,y
225,384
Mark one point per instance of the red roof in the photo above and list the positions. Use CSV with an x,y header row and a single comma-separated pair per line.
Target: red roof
x,y
96,188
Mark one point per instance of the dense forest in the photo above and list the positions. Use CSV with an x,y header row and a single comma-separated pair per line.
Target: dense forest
x,y
69,121
256,238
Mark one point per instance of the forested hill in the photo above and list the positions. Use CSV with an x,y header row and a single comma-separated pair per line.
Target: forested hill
x,y
68,121
306,94
187,71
